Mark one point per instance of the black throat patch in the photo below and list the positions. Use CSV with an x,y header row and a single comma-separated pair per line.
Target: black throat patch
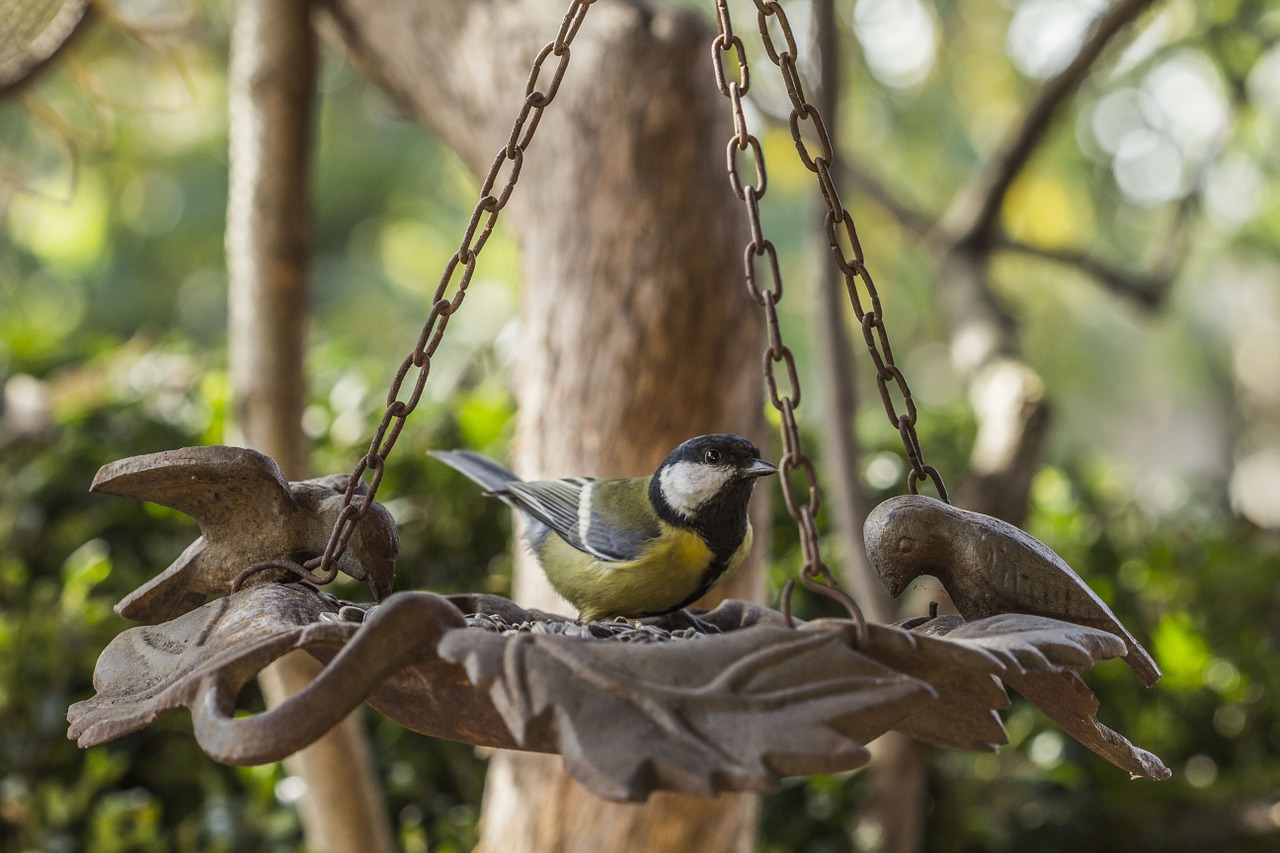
x,y
722,524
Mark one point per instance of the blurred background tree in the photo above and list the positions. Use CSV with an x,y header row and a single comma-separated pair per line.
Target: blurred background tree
x,y
1134,271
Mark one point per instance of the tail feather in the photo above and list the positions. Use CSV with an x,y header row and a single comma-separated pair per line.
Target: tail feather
x,y
481,469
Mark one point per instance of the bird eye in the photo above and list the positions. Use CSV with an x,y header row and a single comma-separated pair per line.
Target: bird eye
x,y
711,457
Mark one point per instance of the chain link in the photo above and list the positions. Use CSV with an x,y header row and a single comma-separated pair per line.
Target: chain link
x,y
841,231
483,218
851,262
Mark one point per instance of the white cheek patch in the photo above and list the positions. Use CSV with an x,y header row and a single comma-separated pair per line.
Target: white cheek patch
x,y
688,485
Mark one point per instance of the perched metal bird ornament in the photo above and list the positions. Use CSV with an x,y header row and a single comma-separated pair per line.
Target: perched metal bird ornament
x,y
989,567
248,513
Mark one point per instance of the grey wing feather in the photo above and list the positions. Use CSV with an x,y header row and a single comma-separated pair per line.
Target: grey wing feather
x,y
615,544
622,523
555,503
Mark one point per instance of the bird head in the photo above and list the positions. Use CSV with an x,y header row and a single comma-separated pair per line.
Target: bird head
x,y
902,541
707,471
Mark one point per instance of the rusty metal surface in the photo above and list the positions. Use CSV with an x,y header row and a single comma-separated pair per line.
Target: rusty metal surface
x,y
202,659
1064,698
988,567
1058,691
248,514
1037,656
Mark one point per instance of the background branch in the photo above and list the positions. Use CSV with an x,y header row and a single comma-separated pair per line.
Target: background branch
x,y
975,212
1006,394
1146,290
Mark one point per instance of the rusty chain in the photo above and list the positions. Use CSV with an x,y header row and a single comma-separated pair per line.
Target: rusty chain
x,y
814,574
323,569
874,332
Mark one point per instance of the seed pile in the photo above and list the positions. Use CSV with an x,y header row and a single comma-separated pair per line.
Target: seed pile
x,y
619,629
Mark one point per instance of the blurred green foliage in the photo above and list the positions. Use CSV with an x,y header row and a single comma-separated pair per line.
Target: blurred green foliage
x,y
112,344
68,556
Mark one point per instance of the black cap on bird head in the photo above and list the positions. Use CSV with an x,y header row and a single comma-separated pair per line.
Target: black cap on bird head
x,y
721,449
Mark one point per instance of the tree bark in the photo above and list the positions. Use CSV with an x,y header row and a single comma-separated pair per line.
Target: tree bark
x,y
268,240
637,331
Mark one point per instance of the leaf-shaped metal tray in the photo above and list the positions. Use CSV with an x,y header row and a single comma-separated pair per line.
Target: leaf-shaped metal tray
x,y
734,711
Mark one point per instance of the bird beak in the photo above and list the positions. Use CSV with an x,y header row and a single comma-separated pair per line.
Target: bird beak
x,y
759,468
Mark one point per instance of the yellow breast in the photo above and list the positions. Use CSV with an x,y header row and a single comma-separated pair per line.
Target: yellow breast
x,y
657,582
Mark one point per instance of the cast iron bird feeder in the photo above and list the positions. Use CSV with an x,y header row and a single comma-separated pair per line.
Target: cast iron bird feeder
x,y
633,707
731,711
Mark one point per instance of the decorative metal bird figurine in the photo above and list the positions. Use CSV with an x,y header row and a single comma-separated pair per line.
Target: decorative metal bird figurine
x,y
248,513
988,566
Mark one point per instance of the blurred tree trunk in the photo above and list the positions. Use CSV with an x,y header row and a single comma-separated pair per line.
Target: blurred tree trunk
x,y
637,332
272,83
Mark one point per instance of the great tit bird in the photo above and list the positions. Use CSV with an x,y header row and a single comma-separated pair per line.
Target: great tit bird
x,y
635,547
